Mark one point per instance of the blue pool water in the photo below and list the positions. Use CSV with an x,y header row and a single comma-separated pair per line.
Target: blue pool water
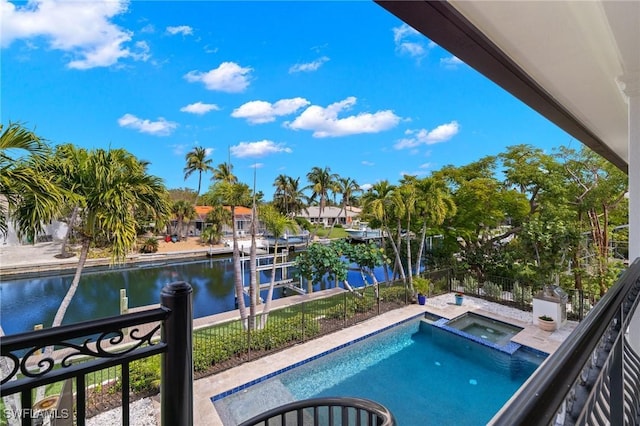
x,y
409,370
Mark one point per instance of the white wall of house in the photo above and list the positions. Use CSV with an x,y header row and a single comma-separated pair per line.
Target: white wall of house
x,y
54,232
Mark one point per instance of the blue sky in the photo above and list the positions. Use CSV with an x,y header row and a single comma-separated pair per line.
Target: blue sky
x,y
279,87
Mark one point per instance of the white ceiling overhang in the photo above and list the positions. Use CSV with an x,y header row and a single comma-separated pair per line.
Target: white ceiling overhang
x,y
565,59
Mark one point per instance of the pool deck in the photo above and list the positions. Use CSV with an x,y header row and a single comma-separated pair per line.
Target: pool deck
x,y
204,389
41,257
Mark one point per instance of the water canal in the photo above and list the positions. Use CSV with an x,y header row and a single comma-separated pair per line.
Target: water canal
x,y
30,301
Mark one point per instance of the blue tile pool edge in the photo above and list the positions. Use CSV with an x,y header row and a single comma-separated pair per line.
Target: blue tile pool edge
x,y
509,348
313,358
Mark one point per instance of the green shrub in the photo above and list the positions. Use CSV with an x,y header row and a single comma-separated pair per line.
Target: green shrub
x,y
144,376
470,285
492,290
522,293
440,286
150,245
421,285
336,312
392,294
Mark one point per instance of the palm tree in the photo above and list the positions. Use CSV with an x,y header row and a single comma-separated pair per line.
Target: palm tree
x,y
197,161
321,182
224,173
281,196
405,205
345,187
113,186
233,195
379,203
218,217
65,162
28,197
434,204
31,199
183,210
276,224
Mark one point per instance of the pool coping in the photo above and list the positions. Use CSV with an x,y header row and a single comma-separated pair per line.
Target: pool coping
x,y
205,389
313,358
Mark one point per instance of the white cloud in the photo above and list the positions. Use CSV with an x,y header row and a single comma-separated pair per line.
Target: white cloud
x,y
410,42
366,186
257,165
148,29
258,112
181,29
258,149
179,149
324,122
452,62
161,127
143,51
208,151
425,166
308,67
228,77
81,28
442,133
199,108
367,163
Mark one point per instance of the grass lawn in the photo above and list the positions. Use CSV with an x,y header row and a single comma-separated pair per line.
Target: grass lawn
x,y
335,232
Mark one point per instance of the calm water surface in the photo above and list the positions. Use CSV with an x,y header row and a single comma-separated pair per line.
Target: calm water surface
x,y
27,302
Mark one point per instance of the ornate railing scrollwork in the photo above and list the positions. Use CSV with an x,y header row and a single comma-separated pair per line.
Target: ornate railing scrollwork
x,y
108,344
111,342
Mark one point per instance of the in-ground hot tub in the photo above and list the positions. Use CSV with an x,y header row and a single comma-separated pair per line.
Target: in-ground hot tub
x,y
482,330
497,332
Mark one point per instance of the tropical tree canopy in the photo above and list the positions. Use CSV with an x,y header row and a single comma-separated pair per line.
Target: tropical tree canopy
x,y
21,154
197,161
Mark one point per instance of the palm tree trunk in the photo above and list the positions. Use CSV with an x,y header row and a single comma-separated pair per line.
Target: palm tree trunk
x,y
254,291
238,270
384,245
272,284
347,286
336,219
64,305
409,250
422,238
65,241
398,261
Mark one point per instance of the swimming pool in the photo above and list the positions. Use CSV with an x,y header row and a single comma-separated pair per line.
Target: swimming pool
x,y
406,368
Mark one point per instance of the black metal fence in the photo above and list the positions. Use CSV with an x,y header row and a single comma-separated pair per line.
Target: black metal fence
x,y
508,291
228,344
107,378
594,377
78,351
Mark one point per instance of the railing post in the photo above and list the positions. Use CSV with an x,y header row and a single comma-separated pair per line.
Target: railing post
x,y
176,388
616,377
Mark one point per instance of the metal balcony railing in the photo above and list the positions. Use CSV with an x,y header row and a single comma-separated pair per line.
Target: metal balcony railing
x,y
326,412
594,377
95,345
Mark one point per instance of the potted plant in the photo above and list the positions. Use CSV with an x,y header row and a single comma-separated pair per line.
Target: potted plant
x,y
421,286
546,323
459,298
